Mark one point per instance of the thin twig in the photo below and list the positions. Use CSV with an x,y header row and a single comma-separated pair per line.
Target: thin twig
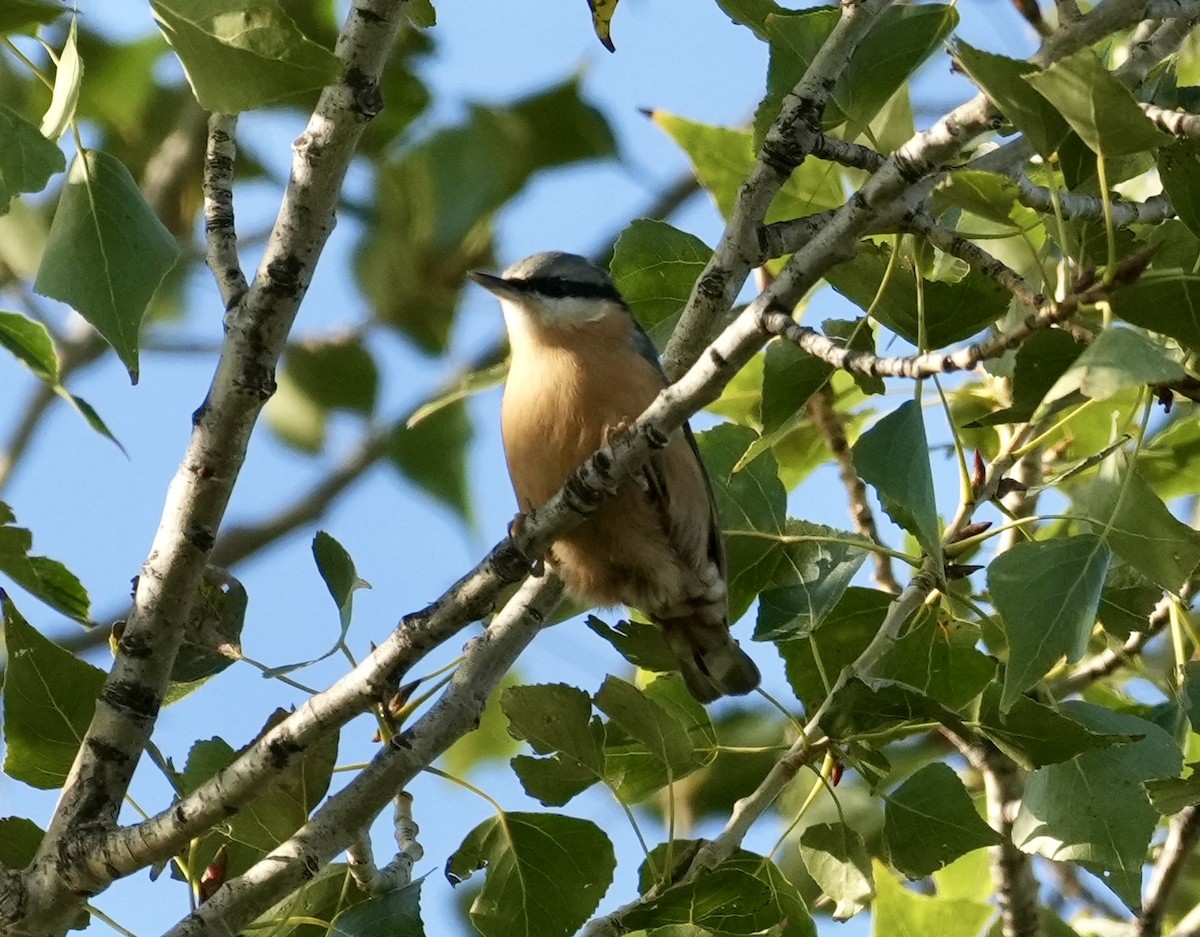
x,y
1182,836
219,226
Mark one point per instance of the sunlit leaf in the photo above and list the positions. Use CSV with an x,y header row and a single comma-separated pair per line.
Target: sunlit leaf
x,y
67,77
837,859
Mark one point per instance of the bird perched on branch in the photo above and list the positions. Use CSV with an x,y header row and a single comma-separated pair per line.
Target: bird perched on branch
x,y
582,369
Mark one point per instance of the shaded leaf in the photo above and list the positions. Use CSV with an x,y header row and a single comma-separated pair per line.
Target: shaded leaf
x,y
1040,362
107,252
240,57
433,454
1179,170
212,634
1170,795
952,311
932,661
546,873
330,892
723,900
929,821
47,579
27,159
556,720
1002,80
337,570
1047,593
49,698
1098,107
752,504
986,194
395,913
814,662
1116,360
815,567
893,458
334,373
655,267
1137,525
837,859
1093,809
1164,301
790,377
642,644
19,15
1033,734
602,14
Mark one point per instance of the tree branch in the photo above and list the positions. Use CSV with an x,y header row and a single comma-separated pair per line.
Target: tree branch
x,y
219,226
128,705
1182,836
788,142
332,827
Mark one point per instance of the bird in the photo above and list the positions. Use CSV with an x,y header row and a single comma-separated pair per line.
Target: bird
x,y
582,370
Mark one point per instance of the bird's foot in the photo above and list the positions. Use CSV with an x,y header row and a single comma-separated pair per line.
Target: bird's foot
x,y
537,565
615,430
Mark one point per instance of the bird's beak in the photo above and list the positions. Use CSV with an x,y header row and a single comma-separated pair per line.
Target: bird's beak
x,y
494,284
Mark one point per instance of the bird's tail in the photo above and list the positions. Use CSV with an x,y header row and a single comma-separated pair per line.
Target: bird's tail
x,y
712,663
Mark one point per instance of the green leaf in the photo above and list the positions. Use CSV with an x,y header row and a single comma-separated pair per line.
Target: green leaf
x,y
929,821
19,15
31,343
27,159
49,698
815,568
337,570
19,841
42,577
986,194
1040,361
1179,170
1098,107
934,661
752,503
859,710
1170,458
1047,592
893,458
723,158
107,252
1003,80
556,720
335,374
790,377
722,900
546,873
645,721
295,417
655,736
952,311
212,634
1137,525
432,453
1127,601
641,643
837,859
239,57
795,38
751,13
65,98
1191,692
330,892
814,662
655,267
1164,301
396,913
1093,809
902,38
902,913
1170,795
1116,360
278,810
1033,734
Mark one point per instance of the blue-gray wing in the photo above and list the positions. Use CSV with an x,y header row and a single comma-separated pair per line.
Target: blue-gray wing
x,y
716,542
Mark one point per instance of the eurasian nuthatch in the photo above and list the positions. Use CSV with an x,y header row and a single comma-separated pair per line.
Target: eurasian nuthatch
x,y
582,368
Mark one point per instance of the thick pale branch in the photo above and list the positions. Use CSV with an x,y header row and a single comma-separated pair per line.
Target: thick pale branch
x,y
257,329
332,827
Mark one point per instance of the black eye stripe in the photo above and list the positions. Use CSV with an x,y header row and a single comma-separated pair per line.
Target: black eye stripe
x,y
560,288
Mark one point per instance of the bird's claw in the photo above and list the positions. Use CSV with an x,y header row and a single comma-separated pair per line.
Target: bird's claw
x,y
537,566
